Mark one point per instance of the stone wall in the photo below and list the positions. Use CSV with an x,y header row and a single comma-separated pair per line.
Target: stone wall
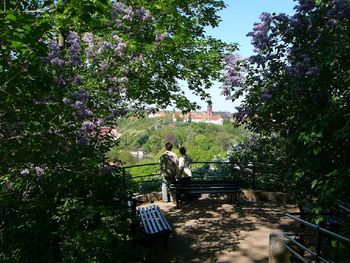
x,y
246,194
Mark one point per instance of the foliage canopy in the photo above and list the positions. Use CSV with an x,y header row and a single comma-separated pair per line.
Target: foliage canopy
x,y
297,91
68,69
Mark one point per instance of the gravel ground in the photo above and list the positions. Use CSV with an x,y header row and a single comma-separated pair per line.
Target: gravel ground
x,y
212,230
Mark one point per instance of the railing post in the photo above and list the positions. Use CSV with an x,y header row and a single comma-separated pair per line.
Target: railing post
x,y
253,171
124,181
318,245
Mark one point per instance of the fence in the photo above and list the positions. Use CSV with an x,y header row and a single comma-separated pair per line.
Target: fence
x,y
255,175
316,244
143,183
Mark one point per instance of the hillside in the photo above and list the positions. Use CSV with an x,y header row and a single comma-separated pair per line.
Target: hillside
x,y
202,141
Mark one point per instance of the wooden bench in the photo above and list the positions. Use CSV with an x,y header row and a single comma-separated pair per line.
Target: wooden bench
x,y
182,189
153,223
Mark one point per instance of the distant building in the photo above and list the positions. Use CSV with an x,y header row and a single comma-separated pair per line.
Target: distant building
x,y
207,117
159,114
178,116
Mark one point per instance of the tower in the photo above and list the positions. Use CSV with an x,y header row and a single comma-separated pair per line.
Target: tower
x,y
210,108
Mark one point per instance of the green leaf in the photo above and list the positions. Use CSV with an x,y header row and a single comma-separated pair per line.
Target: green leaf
x,y
317,150
17,44
11,17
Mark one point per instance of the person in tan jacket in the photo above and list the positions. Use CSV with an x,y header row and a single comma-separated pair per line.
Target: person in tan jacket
x,y
168,170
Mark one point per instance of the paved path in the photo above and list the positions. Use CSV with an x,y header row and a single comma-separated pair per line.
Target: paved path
x,y
211,230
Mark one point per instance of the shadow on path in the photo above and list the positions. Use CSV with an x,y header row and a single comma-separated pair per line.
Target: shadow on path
x,y
211,230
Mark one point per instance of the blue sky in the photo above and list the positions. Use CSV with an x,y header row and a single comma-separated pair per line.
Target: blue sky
x,y
237,20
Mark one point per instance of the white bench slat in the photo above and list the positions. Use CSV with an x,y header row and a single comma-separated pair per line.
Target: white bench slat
x,y
162,219
154,215
146,224
153,219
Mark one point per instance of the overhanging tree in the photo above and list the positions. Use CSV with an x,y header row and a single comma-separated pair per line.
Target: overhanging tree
x,y
296,87
68,69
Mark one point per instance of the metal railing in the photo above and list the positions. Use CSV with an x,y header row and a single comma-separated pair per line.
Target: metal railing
x,y
143,183
256,175
318,249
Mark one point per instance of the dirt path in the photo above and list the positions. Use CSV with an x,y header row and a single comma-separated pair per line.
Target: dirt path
x,y
210,230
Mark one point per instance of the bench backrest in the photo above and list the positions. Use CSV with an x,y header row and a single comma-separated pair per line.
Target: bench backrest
x,y
207,184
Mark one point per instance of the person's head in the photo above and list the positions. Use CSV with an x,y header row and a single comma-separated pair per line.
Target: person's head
x,y
182,150
168,146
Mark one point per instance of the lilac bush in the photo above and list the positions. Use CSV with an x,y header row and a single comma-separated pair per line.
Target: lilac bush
x,y
69,71
296,88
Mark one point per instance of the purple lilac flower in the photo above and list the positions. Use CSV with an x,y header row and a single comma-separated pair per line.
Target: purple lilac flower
x,y
124,80
78,104
300,66
77,80
88,38
111,90
281,17
99,122
118,7
257,59
39,171
54,53
124,70
116,38
83,141
225,91
160,37
245,112
61,81
340,9
233,73
260,34
113,79
305,6
66,101
313,71
103,65
73,40
88,126
54,50
231,59
25,171
120,48
104,45
82,112
128,13
292,71
143,13
81,95
141,58
332,22
89,51
9,185
87,112
119,23
296,23
265,95
27,192
265,17
57,61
